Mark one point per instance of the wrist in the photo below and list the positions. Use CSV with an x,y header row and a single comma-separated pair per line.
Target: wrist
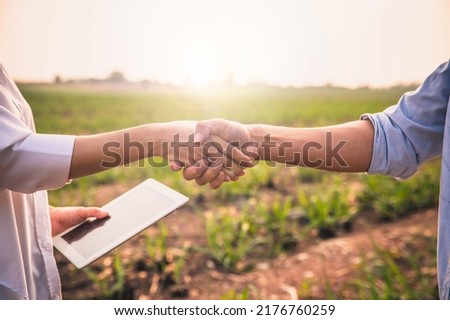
x,y
154,133
169,135
257,133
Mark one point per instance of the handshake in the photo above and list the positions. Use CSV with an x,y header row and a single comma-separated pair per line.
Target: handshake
x,y
217,151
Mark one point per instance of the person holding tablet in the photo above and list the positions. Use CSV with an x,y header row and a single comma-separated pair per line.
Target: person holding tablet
x,y
32,163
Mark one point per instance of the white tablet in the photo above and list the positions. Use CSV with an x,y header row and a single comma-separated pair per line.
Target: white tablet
x,y
129,214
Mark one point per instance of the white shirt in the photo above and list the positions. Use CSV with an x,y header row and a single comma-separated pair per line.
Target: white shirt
x,y
30,164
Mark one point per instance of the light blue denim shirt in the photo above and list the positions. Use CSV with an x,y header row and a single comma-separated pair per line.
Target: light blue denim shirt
x,y
412,132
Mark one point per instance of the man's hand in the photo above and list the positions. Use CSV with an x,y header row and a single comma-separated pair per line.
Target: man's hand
x,y
221,137
175,142
178,146
63,218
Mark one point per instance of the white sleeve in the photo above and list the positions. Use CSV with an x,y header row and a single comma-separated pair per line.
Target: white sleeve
x,y
30,162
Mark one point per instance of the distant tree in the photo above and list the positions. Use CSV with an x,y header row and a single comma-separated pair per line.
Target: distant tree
x,y
116,76
57,79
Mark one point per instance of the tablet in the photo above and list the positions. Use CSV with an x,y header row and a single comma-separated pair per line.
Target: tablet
x,y
129,214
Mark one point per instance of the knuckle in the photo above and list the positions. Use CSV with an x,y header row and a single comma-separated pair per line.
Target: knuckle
x,y
200,182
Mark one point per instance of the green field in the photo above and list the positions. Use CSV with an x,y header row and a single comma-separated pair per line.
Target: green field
x,y
251,219
71,110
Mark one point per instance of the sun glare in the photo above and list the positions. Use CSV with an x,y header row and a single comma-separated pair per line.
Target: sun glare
x,y
200,74
291,42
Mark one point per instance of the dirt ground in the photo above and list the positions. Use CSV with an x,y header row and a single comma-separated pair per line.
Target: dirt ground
x,y
333,259
309,265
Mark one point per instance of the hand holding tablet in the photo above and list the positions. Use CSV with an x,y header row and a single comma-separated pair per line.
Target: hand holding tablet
x,y
129,214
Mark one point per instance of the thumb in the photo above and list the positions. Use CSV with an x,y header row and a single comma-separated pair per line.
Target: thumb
x,y
202,131
93,212
175,165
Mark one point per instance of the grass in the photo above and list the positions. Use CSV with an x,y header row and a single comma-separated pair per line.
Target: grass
x,y
401,271
73,111
233,294
165,261
157,250
279,230
249,185
111,282
391,199
390,274
229,238
328,209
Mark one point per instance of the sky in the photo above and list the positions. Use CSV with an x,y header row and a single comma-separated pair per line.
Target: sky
x,y
199,42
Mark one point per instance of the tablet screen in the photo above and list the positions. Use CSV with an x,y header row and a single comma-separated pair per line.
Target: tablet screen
x,y
129,214
134,206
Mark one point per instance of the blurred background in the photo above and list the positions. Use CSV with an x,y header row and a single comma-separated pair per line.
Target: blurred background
x,y
284,43
278,233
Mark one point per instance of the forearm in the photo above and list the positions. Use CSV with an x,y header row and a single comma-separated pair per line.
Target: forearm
x,y
98,152
345,147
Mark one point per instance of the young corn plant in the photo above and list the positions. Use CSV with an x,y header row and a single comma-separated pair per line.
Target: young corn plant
x,y
390,275
111,282
174,271
234,294
248,185
328,210
229,238
278,227
179,263
167,263
392,199
157,250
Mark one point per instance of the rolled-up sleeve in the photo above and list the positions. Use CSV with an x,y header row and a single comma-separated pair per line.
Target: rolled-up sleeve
x,y
410,133
30,162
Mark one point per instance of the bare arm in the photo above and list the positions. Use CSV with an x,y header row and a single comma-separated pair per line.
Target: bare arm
x,y
99,152
344,147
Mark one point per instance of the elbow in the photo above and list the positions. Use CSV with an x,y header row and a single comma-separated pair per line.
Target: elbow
x,y
393,153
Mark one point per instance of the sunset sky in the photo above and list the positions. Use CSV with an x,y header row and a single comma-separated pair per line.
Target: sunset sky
x,y
197,42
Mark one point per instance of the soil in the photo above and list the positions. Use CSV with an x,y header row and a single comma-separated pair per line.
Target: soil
x,y
312,265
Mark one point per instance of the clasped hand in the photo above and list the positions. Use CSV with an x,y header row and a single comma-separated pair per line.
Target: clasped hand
x,y
224,151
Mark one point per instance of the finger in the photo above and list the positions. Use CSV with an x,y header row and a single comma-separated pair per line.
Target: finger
x,y
186,158
195,171
217,145
210,173
215,150
207,130
175,166
251,150
230,168
230,174
218,181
